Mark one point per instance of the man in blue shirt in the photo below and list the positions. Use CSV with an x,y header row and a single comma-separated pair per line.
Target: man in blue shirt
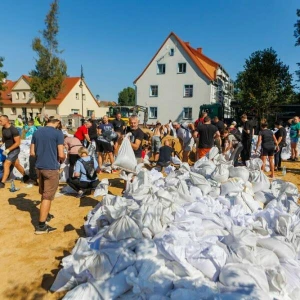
x,y
47,145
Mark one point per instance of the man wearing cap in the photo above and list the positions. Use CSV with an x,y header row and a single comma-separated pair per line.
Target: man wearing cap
x,y
47,145
82,132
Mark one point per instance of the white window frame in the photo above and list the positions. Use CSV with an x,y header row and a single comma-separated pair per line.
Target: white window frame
x,y
23,95
77,96
181,65
190,113
17,96
188,87
151,91
74,111
151,116
90,112
13,111
163,69
172,52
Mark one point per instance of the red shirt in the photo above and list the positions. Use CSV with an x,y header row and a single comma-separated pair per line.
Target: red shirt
x,y
81,131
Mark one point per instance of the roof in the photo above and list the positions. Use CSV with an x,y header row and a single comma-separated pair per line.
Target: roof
x,y
205,64
67,85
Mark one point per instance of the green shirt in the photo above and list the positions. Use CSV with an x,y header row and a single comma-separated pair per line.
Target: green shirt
x,y
294,130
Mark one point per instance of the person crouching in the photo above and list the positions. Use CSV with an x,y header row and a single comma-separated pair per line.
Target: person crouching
x,y
85,173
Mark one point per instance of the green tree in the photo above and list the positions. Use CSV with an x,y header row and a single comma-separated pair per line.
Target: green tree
x,y
50,70
264,83
297,36
127,97
3,75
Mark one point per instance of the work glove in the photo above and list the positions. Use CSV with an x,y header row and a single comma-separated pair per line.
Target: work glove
x,y
5,152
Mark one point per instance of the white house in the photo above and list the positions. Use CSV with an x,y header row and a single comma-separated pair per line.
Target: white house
x,y
178,80
74,98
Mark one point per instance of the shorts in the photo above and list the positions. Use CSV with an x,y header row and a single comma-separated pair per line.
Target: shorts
x,y
48,183
13,155
294,140
156,143
267,152
202,152
189,145
104,147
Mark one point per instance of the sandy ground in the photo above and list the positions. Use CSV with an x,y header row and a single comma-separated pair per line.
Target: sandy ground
x,y
28,262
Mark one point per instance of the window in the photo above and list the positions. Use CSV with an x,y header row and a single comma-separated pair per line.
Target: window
x,y
153,113
13,111
17,96
83,96
75,111
172,52
77,96
90,112
188,91
187,113
153,90
24,95
161,68
181,68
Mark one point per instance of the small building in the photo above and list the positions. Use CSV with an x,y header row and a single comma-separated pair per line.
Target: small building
x,y
17,99
178,80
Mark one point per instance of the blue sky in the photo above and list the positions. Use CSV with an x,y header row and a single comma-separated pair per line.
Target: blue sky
x,y
115,40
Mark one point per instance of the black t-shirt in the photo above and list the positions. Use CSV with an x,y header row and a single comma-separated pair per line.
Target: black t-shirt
x,y
165,153
118,125
267,139
281,132
247,126
93,129
206,135
220,125
137,134
8,135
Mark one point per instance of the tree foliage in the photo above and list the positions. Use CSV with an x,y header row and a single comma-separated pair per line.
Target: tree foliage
x,y
264,83
50,70
3,75
297,36
127,97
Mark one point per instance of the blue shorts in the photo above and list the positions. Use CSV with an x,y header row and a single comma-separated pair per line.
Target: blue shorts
x,y
294,140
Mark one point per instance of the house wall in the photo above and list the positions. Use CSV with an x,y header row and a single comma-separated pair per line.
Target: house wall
x,y
21,87
73,102
171,101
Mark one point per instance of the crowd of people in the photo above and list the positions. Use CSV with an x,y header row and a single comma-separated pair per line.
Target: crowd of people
x,y
50,146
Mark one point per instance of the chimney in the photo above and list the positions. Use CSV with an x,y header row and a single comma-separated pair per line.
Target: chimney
x,y
199,50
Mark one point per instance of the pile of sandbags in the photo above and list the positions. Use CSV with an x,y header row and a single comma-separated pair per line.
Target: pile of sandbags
x,y
198,233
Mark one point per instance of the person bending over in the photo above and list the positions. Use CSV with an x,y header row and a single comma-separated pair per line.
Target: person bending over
x,y
85,173
165,155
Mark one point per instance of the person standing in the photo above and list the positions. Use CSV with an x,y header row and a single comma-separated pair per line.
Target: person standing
x,y
92,131
280,135
19,124
47,145
200,120
268,143
219,124
136,138
119,124
37,120
207,134
30,129
158,134
12,141
82,132
72,145
294,135
246,139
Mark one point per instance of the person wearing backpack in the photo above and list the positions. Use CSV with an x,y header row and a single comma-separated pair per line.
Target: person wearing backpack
x,y
85,173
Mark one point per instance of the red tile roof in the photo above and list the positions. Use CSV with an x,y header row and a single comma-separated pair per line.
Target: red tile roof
x,y
206,65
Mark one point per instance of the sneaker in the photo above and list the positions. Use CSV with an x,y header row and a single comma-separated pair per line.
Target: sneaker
x,y
80,194
49,218
114,171
44,229
290,159
25,178
2,185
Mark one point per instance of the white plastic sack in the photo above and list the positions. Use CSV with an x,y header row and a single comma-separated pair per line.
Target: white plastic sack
x,y
102,188
232,185
220,174
239,172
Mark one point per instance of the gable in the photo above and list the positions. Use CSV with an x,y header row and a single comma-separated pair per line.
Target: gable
x,y
21,85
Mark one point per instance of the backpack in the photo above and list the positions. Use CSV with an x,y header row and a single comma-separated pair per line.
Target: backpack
x,y
187,131
89,168
237,134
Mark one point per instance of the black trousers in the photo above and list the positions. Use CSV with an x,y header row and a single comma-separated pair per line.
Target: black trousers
x,y
77,185
277,158
246,152
72,160
236,153
32,169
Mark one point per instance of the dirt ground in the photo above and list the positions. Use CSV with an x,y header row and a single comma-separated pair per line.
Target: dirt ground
x,y
29,262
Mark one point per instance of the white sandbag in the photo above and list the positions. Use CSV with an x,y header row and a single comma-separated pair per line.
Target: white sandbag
x,y
213,152
264,196
126,159
244,275
266,258
204,168
123,228
261,182
251,203
232,185
277,280
83,291
239,172
282,249
220,174
175,160
102,188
